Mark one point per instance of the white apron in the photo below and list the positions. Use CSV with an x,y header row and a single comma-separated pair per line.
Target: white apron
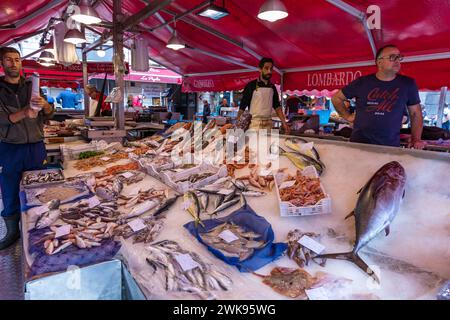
x,y
261,108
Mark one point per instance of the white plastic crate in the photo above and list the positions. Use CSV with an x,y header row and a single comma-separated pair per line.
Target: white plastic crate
x,y
169,178
287,209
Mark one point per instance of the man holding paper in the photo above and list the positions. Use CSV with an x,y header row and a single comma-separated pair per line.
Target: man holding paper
x,y
22,115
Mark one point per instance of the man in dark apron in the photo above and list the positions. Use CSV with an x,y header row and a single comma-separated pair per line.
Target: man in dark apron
x,y
22,148
261,97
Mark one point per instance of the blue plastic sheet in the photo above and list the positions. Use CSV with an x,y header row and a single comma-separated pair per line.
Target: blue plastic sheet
x,y
25,207
71,256
250,221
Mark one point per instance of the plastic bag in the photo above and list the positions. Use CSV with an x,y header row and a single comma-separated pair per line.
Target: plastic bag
x,y
246,218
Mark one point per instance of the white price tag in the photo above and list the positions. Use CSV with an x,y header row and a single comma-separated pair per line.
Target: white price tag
x,y
186,262
225,191
233,139
63,231
287,184
105,158
41,210
311,244
127,175
317,294
137,225
305,147
265,172
237,158
228,236
93,202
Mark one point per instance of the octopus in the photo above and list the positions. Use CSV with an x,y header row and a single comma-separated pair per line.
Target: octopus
x,y
289,282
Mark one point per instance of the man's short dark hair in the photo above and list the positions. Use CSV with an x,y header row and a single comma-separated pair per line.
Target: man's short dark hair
x,y
264,61
5,50
380,51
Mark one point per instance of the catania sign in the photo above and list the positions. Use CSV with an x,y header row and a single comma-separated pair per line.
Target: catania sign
x,y
332,79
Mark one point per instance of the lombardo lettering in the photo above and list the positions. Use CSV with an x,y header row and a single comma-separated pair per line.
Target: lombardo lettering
x,y
208,83
332,79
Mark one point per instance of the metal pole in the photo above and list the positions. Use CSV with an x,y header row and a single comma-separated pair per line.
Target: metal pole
x,y
119,66
182,15
441,107
87,103
283,102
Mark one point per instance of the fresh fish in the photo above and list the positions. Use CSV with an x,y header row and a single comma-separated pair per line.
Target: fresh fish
x,y
253,193
141,208
226,205
208,191
165,205
240,185
218,201
289,282
49,217
230,196
220,182
105,194
194,207
117,186
294,144
204,199
377,205
62,247
302,161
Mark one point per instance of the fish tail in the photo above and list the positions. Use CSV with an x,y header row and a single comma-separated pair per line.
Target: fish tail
x,y
352,257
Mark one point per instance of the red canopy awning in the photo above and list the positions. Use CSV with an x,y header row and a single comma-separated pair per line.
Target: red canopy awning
x,y
154,75
429,75
316,33
216,83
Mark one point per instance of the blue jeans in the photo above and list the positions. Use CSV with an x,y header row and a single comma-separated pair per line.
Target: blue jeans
x,y
14,160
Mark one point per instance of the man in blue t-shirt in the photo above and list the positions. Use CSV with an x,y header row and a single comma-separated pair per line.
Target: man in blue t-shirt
x,y
67,99
381,99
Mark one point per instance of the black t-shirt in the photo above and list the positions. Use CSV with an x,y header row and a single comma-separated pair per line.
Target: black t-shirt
x,y
14,87
380,106
251,87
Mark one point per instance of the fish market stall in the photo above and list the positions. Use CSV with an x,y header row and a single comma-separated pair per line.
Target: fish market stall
x,y
152,227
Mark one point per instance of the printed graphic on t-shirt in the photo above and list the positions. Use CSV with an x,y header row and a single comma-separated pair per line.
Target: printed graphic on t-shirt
x,y
381,101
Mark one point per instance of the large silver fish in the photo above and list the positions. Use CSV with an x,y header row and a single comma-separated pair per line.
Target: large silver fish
x,y
51,216
377,205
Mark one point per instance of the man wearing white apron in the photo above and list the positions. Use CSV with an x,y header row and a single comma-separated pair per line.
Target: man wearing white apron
x,y
261,96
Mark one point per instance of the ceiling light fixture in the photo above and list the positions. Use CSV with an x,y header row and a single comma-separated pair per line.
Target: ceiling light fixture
x,y
175,42
272,10
46,63
86,14
214,12
74,36
46,56
49,47
101,53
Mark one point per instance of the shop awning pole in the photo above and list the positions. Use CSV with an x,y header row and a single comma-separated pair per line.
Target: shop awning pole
x,y
440,112
119,66
87,103
281,91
